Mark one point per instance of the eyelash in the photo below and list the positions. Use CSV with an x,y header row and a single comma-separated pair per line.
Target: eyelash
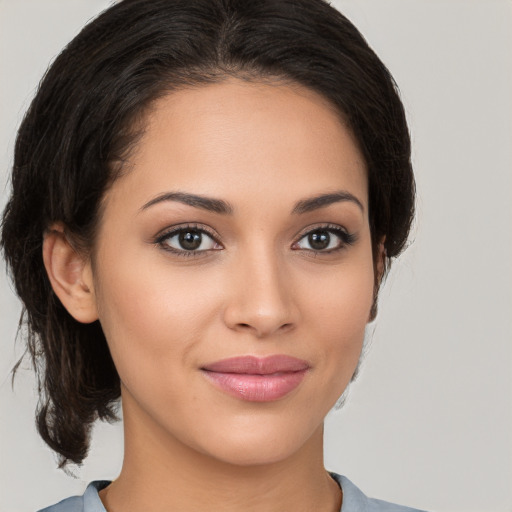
x,y
345,239
161,240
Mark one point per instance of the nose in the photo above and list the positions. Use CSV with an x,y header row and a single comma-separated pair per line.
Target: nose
x,y
261,300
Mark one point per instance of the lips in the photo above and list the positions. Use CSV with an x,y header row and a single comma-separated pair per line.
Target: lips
x,y
257,379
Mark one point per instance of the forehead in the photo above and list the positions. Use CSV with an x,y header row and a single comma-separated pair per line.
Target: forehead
x,y
241,140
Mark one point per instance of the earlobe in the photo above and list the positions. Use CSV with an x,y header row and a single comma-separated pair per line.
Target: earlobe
x,y
70,275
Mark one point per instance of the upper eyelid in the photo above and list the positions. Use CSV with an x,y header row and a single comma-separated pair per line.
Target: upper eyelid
x,y
315,227
172,230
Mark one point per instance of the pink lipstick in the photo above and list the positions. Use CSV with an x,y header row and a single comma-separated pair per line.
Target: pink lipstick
x,y
257,379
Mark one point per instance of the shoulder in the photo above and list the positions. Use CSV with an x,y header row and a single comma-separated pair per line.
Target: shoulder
x,y
354,500
88,502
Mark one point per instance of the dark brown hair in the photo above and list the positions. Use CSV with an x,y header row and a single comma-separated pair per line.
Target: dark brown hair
x,y
80,126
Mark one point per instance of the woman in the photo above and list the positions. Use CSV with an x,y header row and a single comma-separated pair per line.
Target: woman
x,y
206,196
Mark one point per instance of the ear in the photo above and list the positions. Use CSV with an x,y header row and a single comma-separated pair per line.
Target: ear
x,y
380,262
70,275
380,268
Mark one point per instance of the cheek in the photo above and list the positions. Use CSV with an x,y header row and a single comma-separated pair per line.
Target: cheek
x,y
341,302
152,317
339,312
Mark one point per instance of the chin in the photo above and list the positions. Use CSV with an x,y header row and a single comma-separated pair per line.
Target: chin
x,y
255,454
261,444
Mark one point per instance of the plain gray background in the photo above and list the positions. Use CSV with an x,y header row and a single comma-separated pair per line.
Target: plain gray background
x,y
429,421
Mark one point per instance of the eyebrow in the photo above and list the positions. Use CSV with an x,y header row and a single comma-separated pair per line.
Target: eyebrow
x,y
323,200
223,207
197,201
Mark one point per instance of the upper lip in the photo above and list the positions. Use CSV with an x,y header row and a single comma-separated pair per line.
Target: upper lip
x,y
253,365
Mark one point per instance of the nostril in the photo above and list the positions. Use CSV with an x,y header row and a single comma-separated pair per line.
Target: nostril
x,y
261,330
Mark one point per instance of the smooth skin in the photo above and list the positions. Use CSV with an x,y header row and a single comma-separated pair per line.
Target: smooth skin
x,y
211,245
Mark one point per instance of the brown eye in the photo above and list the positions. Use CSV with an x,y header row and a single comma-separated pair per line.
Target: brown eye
x,y
319,240
188,240
325,240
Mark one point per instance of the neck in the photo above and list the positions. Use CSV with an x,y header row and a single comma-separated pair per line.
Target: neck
x,y
160,473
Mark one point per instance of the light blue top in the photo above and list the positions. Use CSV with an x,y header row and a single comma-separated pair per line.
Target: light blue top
x,y
353,500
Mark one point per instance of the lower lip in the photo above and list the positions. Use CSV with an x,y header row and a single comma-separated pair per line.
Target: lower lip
x,y
256,388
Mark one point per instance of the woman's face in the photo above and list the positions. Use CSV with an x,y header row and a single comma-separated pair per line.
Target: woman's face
x,y
233,272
